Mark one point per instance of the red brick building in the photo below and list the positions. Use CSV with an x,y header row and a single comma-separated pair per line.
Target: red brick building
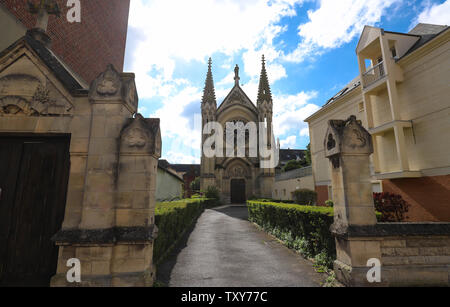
x,y
87,47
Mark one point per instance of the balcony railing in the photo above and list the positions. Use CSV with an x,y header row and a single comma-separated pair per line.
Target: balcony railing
x,y
374,74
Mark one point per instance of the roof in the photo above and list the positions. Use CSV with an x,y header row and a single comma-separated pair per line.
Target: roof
x,y
347,89
68,79
426,32
165,166
184,168
292,154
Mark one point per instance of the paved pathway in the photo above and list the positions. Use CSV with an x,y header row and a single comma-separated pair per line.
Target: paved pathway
x,y
225,250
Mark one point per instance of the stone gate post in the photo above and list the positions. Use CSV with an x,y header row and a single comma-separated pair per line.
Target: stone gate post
x,y
113,240
348,147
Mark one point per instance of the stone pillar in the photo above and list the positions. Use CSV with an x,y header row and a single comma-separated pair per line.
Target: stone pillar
x,y
348,147
117,220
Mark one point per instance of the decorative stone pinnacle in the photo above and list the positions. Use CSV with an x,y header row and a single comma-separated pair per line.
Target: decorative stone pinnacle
x,y
264,92
236,75
209,95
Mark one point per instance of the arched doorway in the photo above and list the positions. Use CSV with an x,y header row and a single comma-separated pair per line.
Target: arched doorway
x,y
237,191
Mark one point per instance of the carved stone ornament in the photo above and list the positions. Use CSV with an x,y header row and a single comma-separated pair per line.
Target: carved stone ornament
x,y
136,138
236,171
107,83
130,93
142,136
347,136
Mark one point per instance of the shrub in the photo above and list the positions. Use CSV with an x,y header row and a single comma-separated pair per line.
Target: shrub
x,y
195,184
329,203
391,206
303,228
305,197
212,192
172,219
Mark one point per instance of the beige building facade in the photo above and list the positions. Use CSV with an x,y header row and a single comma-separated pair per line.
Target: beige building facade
x,y
81,172
288,182
238,177
401,98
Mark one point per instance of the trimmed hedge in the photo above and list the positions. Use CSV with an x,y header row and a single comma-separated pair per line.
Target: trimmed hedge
x,y
173,219
303,228
305,197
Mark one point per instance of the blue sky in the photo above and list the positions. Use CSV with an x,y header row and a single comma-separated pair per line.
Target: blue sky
x,y
309,46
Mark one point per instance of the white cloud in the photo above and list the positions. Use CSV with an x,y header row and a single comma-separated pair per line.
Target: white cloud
x,y
289,111
435,14
336,23
172,30
180,158
289,142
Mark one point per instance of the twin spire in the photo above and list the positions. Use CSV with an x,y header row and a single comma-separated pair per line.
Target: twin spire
x,y
264,92
209,94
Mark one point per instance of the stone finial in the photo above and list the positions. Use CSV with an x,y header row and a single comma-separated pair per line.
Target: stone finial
x,y
141,136
264,92
42,9
209,95
347,137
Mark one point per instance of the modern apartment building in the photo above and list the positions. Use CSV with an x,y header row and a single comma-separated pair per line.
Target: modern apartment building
x,y
402,97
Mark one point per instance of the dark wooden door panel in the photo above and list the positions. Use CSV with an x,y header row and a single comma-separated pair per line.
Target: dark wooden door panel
x,y
37,211
238,191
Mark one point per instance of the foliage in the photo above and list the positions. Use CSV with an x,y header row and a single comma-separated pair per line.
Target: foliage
x,y
329,203
391,206
305,197
212,192
303,228
195,184
293,164
308,155
173,218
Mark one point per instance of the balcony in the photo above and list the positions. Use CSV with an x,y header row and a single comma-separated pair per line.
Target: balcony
x,y
374,74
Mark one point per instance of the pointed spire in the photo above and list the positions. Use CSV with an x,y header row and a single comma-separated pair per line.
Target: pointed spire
x,y
209,95
264,92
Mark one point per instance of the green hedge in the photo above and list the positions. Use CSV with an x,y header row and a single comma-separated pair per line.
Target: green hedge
x,y
172,219
303,228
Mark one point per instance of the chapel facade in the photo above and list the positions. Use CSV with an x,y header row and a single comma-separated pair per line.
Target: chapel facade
x,y
239,176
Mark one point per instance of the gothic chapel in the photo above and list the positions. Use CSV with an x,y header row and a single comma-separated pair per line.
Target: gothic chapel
x,y
238,178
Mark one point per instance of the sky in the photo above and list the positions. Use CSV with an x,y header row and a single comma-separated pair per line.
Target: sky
x,y
309,46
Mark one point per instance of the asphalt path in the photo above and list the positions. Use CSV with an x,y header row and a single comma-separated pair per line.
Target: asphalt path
x,y
225,250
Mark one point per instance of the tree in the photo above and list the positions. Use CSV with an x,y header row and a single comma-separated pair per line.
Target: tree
x,y
308,155
195,184
292,164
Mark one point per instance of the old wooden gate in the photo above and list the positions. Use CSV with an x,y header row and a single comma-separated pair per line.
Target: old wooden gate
x,y
34,173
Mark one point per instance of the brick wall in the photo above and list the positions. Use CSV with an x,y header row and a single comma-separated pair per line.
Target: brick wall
x,y
429,197
89,46
322,194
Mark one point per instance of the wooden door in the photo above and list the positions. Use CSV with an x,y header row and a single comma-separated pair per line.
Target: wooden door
x,y
33,181
238,191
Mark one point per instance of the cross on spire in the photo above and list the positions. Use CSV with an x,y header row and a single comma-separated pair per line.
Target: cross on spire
x,y
236,75
43,9
264,92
